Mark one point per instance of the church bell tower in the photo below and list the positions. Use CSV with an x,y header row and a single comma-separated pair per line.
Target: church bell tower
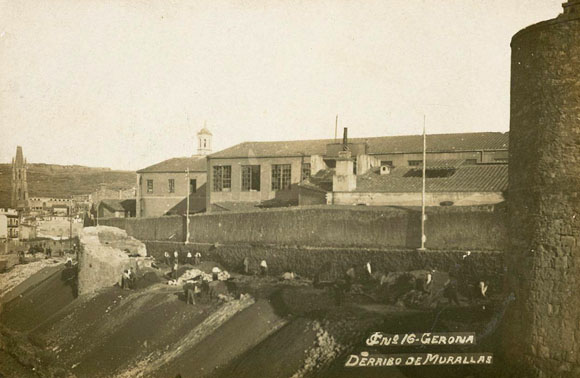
x,y
204,141
19,184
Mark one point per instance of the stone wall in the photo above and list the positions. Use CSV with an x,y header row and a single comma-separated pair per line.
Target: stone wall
x,y
161,228
542,334
325,226
307,261
451,228
103,257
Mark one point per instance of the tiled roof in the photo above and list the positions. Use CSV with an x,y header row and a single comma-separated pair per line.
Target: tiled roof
x,y
376,145
474,178
467,178
194,163
441,164
119,205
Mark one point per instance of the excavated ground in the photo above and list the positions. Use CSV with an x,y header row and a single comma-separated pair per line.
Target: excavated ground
x,y
281,329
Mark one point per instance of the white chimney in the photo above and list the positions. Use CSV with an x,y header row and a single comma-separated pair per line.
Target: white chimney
x,y
385,170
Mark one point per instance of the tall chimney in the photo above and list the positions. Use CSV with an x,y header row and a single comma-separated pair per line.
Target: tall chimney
x,y
344,180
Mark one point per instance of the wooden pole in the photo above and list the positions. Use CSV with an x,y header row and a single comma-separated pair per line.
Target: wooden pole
x,y
188,184
423,237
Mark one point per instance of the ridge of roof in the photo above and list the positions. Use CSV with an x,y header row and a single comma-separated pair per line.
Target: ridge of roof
x,y
178,164
376,145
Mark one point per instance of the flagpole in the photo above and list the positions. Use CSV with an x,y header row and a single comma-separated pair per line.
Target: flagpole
x,y
187,185
423,237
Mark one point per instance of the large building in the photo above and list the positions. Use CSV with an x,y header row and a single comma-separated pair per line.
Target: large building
x,y
162,189
19,183
266,174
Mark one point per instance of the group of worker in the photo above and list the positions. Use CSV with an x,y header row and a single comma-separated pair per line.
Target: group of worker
x,y
462,277
465,276
189,259
263,266
174,263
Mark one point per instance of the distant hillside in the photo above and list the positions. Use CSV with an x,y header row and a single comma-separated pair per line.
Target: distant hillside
x,y
49,180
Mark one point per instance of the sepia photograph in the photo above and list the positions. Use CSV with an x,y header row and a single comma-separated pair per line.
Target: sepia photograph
x,y
290,188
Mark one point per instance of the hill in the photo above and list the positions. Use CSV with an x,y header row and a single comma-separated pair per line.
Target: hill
x,y
51,180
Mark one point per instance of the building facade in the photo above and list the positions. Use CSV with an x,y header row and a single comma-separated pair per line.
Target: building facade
x,y
163,188
9,224
263,174
48,204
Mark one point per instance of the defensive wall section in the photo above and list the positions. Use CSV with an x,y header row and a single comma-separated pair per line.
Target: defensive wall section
x,y
105,252
170,228
307,261
304,239
453,228
542,333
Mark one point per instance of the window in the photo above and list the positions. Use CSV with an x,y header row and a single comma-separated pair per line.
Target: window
x,y
222,178
388,163
354,166
250,178
305,171
192,186
281,176
415,163
171,183
149,186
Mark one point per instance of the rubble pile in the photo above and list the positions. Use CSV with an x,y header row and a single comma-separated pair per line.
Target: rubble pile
x,y
322,353
198,275
21,272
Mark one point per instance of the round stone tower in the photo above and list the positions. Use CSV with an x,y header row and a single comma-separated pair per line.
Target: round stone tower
x,y
542,332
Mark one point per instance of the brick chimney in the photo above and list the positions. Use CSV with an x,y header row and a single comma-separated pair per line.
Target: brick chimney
x,y
344,180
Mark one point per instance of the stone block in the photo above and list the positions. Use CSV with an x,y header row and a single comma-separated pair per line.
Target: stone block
x,y
105,253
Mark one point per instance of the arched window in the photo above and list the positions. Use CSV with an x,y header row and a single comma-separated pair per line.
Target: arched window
x,y
19,193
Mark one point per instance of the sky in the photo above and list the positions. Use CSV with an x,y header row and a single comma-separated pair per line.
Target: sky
x,y
127,84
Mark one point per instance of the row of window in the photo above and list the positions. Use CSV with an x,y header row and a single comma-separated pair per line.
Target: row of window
x,y
281,175
171,186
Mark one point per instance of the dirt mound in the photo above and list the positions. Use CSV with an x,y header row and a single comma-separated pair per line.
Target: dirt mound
x,y
10,367
248,328
280,355
146,280
299,331
23,276
39,303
